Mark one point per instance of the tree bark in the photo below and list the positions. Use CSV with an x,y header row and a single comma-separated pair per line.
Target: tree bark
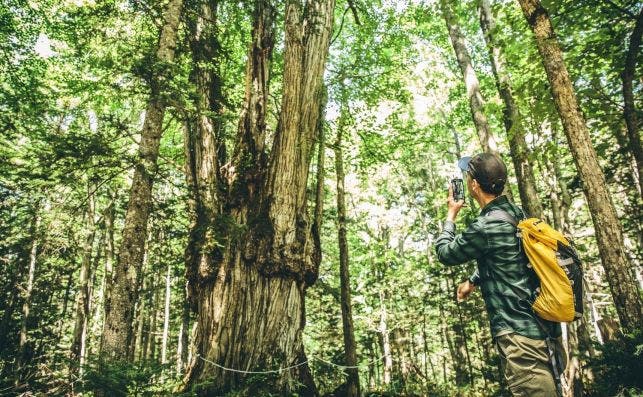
x,y
250,300
511,117
203,143
608,229
83,296
629,104
318,216
350,349
117,333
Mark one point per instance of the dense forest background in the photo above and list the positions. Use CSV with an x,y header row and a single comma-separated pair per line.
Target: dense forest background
x,y
193,188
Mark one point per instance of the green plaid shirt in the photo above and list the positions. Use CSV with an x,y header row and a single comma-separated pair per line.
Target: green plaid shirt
x,y
502,274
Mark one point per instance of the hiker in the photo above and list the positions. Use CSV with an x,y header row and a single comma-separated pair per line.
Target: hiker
x,y
504,278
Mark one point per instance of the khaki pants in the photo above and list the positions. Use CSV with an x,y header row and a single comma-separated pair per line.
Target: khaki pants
x,y
527,366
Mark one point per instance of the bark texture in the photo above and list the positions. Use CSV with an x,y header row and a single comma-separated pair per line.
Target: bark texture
x,y
629,108
119,308
608,229
511,117
250,297
203,149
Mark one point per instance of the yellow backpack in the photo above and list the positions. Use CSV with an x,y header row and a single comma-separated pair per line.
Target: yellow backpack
x,y
556,263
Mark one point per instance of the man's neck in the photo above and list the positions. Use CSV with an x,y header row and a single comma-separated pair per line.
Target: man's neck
x,y
484,199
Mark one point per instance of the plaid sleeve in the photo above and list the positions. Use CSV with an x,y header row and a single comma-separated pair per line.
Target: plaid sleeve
x,y
470,244
475,278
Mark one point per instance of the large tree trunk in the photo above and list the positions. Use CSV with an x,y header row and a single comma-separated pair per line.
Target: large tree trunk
x,y
202,143
82,296
117,333
608,229
350,349
629,108
250,298
511,117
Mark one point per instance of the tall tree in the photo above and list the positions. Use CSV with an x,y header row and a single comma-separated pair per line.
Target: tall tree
x,y
202,143
629,108
472,85
608,229
511,116
83,296
24,347
250,306
126,282
350,350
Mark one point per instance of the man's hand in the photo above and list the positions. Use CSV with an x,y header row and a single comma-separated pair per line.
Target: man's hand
x,y
464,290
453,206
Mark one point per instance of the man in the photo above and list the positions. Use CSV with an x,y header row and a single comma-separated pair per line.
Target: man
x,y
506,282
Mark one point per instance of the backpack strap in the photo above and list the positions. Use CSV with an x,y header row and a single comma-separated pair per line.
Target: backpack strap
x,y
502,215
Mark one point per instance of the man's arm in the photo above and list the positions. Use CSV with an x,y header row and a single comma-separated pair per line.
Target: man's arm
x,y
454,250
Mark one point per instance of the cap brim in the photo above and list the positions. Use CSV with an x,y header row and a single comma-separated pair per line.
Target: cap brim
x,y
463,163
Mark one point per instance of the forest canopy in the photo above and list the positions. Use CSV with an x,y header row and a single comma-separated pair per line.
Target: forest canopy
x,y
207,197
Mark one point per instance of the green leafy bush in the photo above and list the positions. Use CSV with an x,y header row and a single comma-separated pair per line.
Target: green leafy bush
x,y
617,370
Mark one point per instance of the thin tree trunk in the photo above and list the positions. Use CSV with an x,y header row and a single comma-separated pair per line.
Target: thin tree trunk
x,y
250,306
182,349
117,333
427,356
511,117
93,309
318,216
385,341
573,372
608,229
166,318
83,296
629,108
65,304
559,195
142,307
153,312
23,353
109,261
350,349
476,102
456,347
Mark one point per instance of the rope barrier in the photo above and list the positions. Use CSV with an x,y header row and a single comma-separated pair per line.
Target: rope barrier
x,y
279,370
274,371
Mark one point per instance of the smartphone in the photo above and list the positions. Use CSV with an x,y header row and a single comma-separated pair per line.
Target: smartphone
x,y
458,189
